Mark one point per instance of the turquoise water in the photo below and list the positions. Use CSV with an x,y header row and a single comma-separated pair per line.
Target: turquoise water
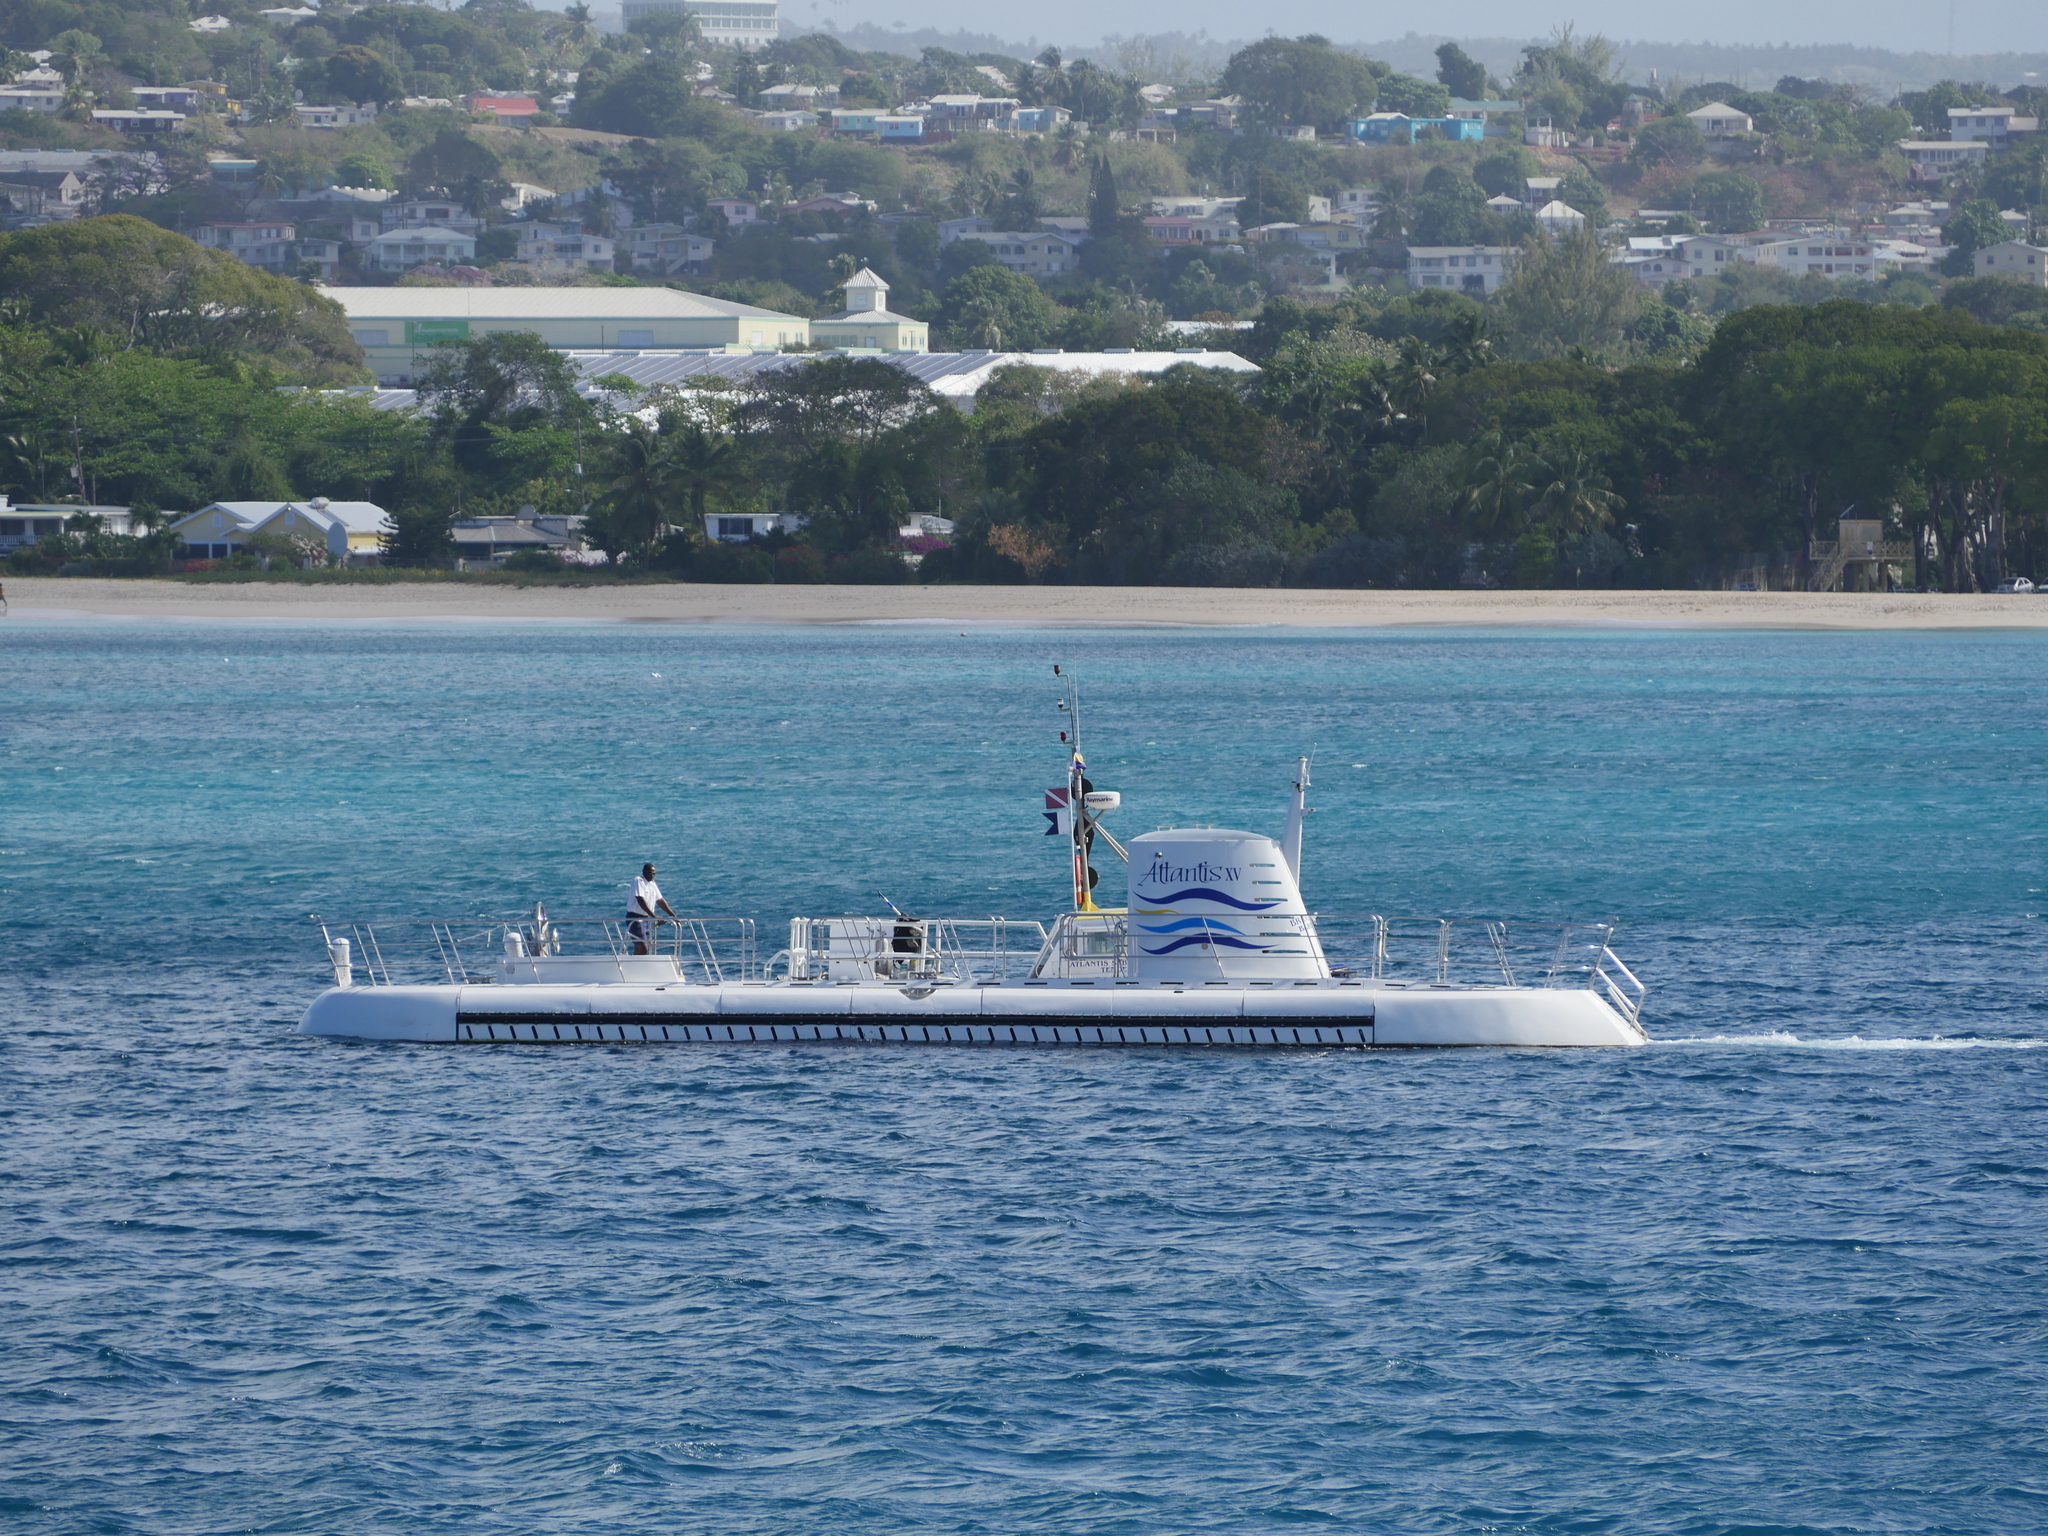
x,y
1779,1272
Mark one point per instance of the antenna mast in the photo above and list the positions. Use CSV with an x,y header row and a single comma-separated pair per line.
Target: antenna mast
x,y
1080,824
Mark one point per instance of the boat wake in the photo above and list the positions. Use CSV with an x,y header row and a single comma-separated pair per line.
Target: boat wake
x,y
1780,1039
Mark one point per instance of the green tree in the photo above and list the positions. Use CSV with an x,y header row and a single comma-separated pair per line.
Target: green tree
x,y
1462,75
1729,201
1103,213
1415,98
1667,141
449,158
1970,228
1502,172
364,170
989,306
421,535
477,391
671,36
150,288
643,491
1570,297
1302,80
1583,191
361,74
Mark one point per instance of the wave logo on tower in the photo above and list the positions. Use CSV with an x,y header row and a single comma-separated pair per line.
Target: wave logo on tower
x,y
1196,882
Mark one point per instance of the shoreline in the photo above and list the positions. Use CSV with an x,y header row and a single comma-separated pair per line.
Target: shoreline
x,y
85,599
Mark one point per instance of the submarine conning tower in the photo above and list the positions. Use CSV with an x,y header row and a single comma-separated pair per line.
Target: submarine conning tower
x,y
1213,905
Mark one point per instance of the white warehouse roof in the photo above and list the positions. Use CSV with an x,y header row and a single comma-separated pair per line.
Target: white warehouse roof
x,y
538,304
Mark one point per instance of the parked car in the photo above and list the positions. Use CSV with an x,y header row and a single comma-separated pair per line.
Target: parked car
x,y
2017,584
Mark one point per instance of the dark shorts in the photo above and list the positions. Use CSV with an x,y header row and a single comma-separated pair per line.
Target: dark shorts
x,y
636,930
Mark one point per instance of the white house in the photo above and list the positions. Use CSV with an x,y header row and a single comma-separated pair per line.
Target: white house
x,y
739,212
2014,259
666,248
1718,120
32,98
1828,253
347,114
564,247
1932,160
427,213
737,528
1473,269
258,244
1035,253
1559,218
400,250
1992,125
24,523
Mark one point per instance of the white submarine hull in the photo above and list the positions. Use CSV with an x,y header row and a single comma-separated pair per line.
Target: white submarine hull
x,y
1312,1016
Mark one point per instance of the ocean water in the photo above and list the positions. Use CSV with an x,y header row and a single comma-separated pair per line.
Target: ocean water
x,y
1781,1271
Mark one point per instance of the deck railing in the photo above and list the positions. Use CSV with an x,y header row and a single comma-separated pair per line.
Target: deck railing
x,y
937,950
475,951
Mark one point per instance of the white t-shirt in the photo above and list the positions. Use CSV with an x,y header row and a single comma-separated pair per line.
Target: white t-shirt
x,y
646,897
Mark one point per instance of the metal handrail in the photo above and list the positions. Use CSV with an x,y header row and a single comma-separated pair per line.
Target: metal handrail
x,y
719,948
930,949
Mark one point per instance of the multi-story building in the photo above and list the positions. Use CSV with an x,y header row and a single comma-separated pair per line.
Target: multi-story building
x,y
564,247
400,250
427,213
1034,253
1933,159
47,99
2014,259
1828,253
1990,125
1477,270
666,248
727,23
258,244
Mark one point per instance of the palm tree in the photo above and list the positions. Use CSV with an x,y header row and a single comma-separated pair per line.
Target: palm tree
x,y
1500,484
1466,344
700,462
1578,498
1414,380
644,490
580,31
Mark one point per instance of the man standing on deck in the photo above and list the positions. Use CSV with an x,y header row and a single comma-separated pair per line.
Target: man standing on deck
x,y
647,902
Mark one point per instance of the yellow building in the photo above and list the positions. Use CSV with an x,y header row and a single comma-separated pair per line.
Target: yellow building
x,y
398,328
866,323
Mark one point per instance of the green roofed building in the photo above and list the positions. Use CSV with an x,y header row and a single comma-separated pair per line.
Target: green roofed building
x,y
398,328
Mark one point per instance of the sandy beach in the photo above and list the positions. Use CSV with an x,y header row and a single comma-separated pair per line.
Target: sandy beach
x,y
86,598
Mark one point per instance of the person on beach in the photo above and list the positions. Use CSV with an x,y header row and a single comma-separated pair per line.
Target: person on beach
x,y
641,916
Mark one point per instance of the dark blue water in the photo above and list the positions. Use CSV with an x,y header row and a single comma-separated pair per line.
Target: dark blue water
x,y
1780,1272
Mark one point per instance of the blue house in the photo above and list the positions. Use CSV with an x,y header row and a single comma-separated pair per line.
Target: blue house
x,y
1399,128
